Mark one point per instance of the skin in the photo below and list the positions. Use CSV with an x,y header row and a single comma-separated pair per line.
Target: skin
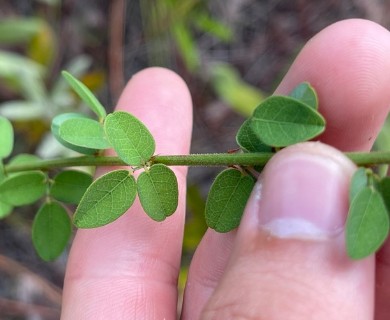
x,y
128,269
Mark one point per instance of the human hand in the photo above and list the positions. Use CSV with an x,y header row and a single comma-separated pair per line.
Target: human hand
x,y
128,269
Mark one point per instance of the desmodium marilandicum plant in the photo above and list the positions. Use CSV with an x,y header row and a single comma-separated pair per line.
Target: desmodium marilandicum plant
x,y
279,121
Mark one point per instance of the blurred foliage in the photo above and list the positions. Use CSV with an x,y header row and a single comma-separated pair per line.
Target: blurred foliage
x,y
233,90
181,21
26,74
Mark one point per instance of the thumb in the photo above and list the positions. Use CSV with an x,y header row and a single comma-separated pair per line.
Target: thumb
x,y
289,259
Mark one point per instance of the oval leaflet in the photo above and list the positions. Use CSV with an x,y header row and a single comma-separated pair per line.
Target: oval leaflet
x,y
23,188
51,230
106,199
367,224
129,137
158,191
282,121
227,200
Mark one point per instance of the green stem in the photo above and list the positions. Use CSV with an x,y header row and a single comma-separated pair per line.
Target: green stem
x,y
211,159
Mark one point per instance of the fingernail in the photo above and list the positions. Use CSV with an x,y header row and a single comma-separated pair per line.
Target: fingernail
x,y
305,192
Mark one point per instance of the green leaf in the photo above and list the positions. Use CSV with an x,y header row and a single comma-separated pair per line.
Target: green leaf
x,y
23,188
23,158
84,132
305,93
106,199
5,209
358,182
55,129
51,230
158,191
367,224
249,141
129,137
385,191
227,200
85,94
7,137
205,22
281,121
186,45
69,186
18,30
233,90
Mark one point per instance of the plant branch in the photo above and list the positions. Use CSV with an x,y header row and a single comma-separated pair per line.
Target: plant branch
x,y
211,159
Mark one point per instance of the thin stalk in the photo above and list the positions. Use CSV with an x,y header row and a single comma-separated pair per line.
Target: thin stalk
x,y
211,159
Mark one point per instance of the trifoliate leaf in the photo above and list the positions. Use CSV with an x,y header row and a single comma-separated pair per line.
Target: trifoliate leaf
x,y
23,188
51,230
249,141
227,200
367,224
84,132
282,121
305,93
129,137
158,191
55,129
106,199
358,182
7,137
85,94
69,186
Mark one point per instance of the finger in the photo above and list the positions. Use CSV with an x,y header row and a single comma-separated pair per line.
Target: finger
x,y
289,260
346,64
128,269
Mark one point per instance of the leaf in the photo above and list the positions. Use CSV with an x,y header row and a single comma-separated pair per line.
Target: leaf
x,y
129,137
186,45
358,182
84,132
23,158
85,94
281,121
69,186
22,110
7,137
367,224
249,141
43,47
385,191
5,209
233,90
55,129
23,188
106,199
227,200
51,231
205,22
18,30
158,191
305,93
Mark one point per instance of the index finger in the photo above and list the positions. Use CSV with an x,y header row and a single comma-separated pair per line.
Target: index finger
x,y
128,269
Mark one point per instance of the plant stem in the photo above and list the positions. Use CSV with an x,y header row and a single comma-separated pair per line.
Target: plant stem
x,y
211,159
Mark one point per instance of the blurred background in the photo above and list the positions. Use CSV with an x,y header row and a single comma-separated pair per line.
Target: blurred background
x,y
231,53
